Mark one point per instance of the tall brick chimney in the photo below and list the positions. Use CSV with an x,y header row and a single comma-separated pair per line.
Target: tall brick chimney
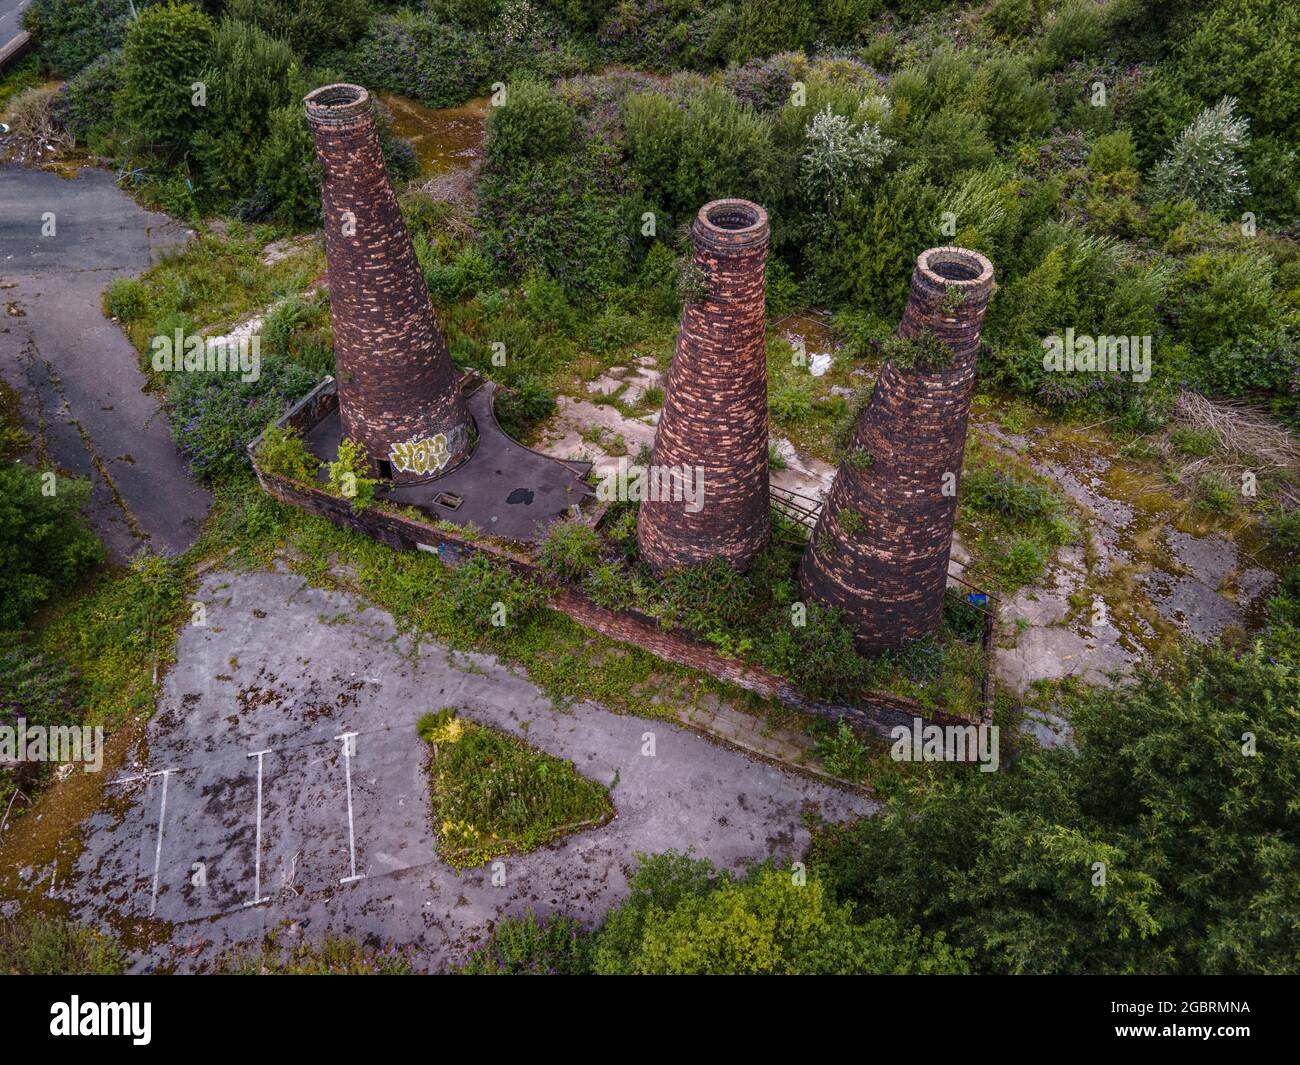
x,y
715,407
399,393
880,549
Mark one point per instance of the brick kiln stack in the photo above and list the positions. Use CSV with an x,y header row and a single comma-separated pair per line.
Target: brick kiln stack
x,y
399,393
887,569
715,406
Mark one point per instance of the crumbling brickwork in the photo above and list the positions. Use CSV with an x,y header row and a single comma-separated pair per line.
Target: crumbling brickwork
x,y
398,389
880,549
715,406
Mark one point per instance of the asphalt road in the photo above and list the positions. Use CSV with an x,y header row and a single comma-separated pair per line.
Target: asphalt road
x,y
10,13
77,375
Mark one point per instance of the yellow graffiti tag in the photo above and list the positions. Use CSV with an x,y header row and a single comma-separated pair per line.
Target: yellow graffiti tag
x,y
428,455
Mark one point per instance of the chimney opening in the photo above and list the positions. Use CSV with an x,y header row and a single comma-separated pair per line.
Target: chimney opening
x,y
339,103
733,216
955,264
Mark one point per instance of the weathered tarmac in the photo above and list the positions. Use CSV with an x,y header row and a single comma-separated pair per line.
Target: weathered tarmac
x,y
77,376
340,839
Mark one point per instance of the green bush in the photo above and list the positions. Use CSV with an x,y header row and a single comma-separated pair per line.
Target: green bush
x,y
281,451
819,656
435,62
348,474
248,75
215,415
126,299
310,27
84,105
924,353
711,148
487,598
45,543
1202,166
569,550
525,946
531,125
166,49
763,28
72,34
522,405
1006,864
683,917
287,170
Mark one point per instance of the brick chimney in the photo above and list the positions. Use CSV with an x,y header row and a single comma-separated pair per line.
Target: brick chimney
x,y
399,393
880,549
714,417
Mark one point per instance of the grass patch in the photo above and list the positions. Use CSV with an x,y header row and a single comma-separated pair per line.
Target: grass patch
x,y
333,956
1011,520
494,794
51,946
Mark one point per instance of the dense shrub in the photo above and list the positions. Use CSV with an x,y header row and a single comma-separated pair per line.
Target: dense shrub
x,y
569,550
819,656
85,103
248,75
682,916
215,415
166,48
525,946
437,63
532,124
1006,864
50,946
287,171
45,544
309,27
1202,166
563,217
525,403
72,34
712,147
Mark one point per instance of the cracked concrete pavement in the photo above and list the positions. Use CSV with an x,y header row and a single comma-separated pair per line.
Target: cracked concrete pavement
x,y
74,370
344,843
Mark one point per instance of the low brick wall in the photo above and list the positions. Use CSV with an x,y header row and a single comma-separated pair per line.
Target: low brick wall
x,y
877,711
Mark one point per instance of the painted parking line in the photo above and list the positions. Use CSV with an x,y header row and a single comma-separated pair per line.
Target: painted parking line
x,y
258,898
347,738
157,854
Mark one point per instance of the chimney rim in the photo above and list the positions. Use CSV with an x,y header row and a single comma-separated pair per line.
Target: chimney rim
x,y
731,223
337,104
953,267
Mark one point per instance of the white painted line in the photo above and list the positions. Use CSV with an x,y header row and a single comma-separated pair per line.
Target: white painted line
x,y
347,738
140,776
157,853
258,898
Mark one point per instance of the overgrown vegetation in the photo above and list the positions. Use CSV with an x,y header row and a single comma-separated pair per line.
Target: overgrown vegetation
x,y
684,916
52,946
494,794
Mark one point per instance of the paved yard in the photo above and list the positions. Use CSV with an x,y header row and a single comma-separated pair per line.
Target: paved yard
x,y
226,843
